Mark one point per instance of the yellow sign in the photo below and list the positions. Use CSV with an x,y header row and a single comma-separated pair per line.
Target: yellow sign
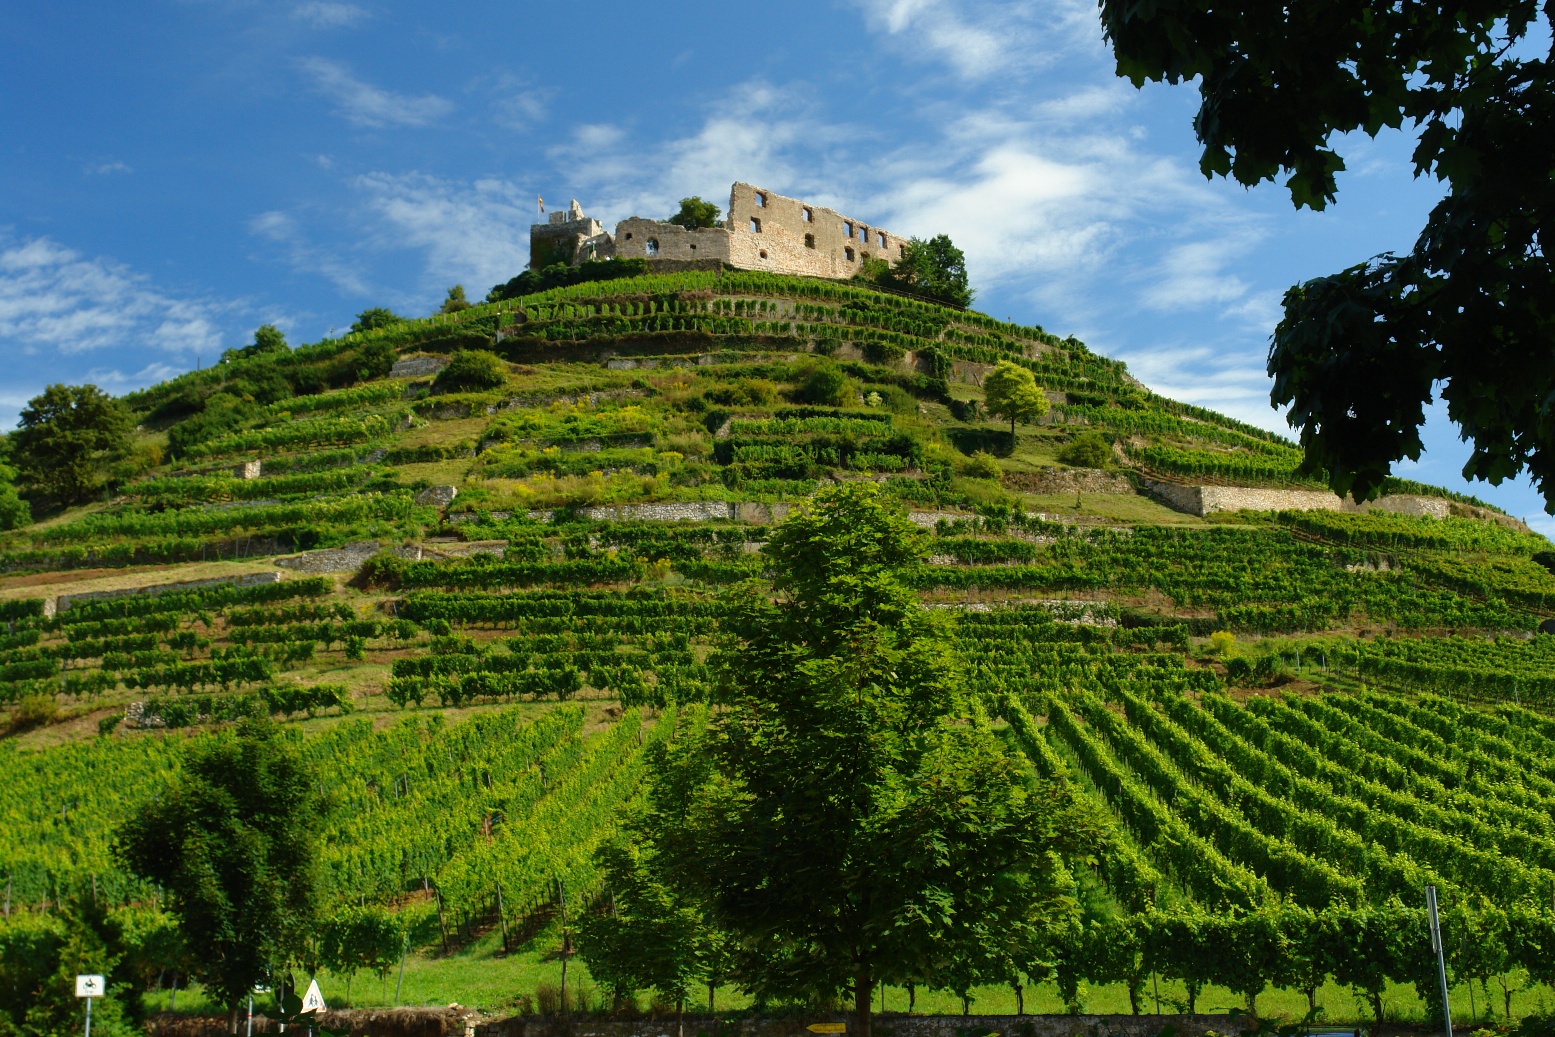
x,y
827,1027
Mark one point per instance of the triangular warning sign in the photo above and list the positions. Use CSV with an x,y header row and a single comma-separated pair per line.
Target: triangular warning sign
x,y
313,1001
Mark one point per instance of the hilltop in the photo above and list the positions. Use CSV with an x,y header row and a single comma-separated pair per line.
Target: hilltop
x,y
497,536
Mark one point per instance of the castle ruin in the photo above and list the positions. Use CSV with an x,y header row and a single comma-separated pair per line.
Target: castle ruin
x,y
763,231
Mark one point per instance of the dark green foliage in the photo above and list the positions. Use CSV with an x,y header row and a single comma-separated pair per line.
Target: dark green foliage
x,y
559,275
934,269
375,318
694,213
268,339
14,512
40,956
69,438
1087,450
472,370
825,385
455,301
864,824
231,843
1359,352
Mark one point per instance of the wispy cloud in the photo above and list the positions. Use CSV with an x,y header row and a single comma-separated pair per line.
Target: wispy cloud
x,y
52,297
369,105
106,168
326,15
475,233
281,229
982,39
521,109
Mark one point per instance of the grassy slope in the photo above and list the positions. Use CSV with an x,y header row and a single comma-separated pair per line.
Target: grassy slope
x,y
557,353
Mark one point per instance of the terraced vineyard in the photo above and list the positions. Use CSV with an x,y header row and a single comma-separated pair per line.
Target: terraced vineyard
x,y
1286,723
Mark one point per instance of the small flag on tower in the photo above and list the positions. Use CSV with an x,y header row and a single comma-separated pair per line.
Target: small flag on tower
x,y
542,204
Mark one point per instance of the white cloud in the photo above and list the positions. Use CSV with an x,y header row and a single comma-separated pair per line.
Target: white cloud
x,y
982,39
105,168
521,109
281,228
325,15
476,234
368,105
52,297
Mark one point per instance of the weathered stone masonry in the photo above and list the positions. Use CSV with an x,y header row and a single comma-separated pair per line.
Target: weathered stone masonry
x,y
764,231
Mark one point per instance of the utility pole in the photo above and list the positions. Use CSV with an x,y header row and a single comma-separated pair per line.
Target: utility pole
x,y
1441,954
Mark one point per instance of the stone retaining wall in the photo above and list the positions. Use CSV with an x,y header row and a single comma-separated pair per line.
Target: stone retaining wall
x,y
1068,480
1204,500
54,606
332,559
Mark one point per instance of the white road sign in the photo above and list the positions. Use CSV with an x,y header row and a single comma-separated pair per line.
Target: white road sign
x,y
313,1001
90,986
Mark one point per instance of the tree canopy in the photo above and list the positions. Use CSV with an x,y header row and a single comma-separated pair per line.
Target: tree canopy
x,y
1011,391
68,439
231,843
935,268
1469,312
694,213
852,818
376,317
455,301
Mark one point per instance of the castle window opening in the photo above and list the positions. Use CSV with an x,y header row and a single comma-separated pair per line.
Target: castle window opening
x,y
901,249
628,236
849,253
755,225
863,234
864,256
653,246
849,225
882,239
761,200
809,241
762,253
693,248
809,215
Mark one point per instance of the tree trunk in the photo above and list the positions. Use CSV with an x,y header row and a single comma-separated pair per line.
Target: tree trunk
x,y
1020,999
711,992
232,1019
863,993
1193,996
912,997
1312,1001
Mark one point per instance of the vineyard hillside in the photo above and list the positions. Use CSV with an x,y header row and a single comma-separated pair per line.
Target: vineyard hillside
x,y
472,563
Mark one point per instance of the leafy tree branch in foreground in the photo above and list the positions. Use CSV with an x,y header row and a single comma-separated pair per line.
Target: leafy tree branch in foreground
x,y
1471,308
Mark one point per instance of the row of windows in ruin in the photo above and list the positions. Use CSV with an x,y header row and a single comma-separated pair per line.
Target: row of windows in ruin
x,y
851,230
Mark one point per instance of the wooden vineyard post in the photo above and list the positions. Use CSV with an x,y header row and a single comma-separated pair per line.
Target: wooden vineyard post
x,y
561,894
442,930
502,921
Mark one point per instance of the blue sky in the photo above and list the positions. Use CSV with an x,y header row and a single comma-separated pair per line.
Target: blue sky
x,y
175,172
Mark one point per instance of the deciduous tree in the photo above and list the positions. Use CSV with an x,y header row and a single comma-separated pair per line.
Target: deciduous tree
x,y
69,437
861,820
1011,391
935,268
231,842
694,213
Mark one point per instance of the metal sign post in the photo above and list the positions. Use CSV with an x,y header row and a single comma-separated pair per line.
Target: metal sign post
x,y
90,987
1441,953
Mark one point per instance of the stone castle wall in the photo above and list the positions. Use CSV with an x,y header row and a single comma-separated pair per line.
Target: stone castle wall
x,y
764,231
768,231
637,238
